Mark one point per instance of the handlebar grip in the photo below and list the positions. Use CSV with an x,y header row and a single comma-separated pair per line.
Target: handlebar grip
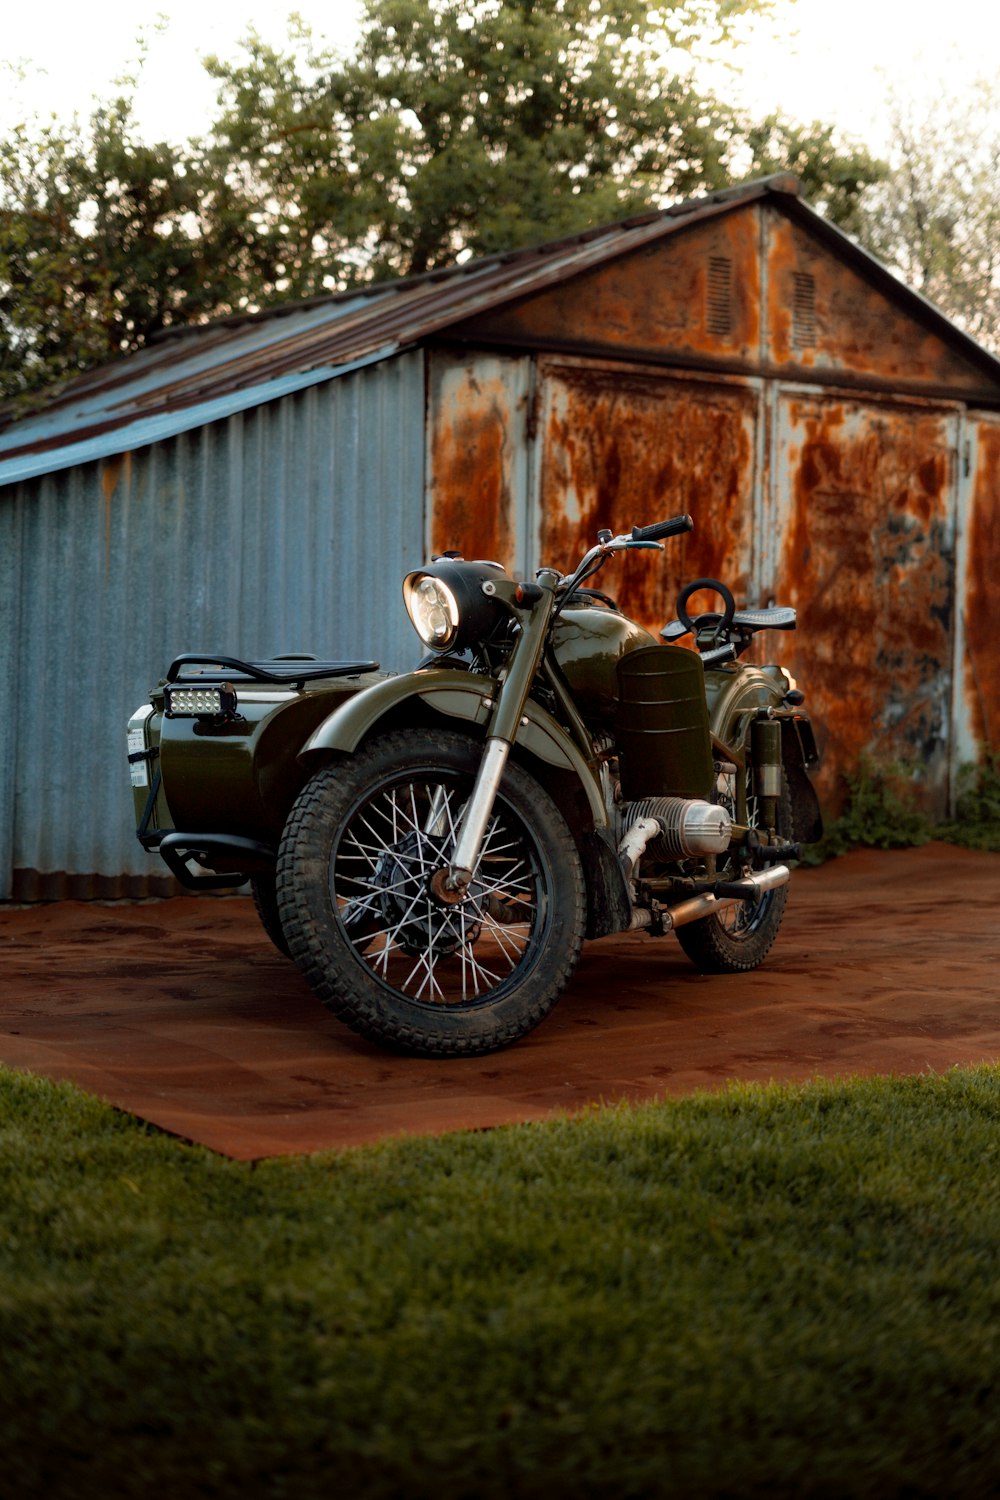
x,y
659,529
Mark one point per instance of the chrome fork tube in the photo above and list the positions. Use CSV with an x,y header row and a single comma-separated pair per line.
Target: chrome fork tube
x,y
478,811
533,616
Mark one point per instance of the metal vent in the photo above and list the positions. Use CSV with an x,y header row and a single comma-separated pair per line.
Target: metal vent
x,y
804,311
719,301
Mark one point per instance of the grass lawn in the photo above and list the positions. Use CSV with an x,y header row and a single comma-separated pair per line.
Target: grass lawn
x,y
772,1291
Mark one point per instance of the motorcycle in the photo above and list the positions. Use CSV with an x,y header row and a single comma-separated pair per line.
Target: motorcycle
x,y
432,849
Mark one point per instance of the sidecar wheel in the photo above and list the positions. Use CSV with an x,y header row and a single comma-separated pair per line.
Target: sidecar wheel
x,y
265,899
739,939
360,847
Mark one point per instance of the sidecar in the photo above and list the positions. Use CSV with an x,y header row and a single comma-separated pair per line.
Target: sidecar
x,y
213,758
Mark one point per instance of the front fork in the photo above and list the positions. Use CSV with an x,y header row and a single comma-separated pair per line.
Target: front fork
x,y
532,606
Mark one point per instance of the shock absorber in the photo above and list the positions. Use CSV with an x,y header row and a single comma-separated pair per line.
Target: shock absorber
x,y
765,752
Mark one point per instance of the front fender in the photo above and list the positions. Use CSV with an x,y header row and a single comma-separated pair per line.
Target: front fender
x,y
458,695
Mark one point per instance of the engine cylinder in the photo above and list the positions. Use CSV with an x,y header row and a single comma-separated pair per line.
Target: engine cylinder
x,y
689,826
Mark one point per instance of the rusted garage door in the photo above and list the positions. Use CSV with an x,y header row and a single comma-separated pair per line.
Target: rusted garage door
x,y
622,447
979,707
864,497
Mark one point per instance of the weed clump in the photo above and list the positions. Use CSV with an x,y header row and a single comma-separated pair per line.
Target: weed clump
x,y
880,811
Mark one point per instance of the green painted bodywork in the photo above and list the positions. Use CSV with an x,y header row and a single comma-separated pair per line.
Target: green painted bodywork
x,y
735,693
588,644
462,695
662,729
242,778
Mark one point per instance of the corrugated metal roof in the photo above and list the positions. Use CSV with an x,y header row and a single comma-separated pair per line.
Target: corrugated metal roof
x,y
202,374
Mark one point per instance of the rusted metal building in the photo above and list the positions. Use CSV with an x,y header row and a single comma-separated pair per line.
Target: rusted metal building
x,y
260,485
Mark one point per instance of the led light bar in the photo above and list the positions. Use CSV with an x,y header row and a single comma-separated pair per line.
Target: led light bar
x,y
215,702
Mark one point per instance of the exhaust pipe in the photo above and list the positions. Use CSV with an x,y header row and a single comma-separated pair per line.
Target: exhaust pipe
x,y
751,888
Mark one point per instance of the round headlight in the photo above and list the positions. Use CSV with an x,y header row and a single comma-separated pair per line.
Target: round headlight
x,y
446,603
433,610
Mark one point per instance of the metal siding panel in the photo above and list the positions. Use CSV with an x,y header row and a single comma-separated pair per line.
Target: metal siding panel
x,y
477,458
246,536
865,517
11,512
625,448
694,295
823,318
690,293
978,686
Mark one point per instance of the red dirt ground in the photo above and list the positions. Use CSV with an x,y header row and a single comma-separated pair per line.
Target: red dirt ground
x,y
182,1013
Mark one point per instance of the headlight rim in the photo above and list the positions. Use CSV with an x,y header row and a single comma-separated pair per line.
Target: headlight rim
x,y
477,611
411,585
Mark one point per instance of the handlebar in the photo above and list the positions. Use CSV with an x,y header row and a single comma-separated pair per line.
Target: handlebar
x,y
607,544
659,529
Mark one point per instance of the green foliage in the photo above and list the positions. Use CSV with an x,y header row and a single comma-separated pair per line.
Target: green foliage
x,y
105,242
934,216
471,129
769,1291
451,130
976,824
836,176
880,813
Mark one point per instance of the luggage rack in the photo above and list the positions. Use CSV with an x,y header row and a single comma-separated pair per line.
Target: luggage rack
x,y
288,671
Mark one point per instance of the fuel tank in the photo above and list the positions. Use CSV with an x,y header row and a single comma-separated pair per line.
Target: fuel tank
x,y
588,643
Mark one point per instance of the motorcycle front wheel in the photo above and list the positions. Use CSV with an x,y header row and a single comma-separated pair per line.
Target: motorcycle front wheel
x,y
363,842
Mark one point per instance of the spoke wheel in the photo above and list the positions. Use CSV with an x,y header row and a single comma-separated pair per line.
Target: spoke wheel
x,y
364,920
739,938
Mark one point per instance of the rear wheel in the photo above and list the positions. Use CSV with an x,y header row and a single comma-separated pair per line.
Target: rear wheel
x,y
739,938
362,844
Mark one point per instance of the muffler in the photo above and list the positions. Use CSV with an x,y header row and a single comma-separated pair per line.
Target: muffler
x,y
706,903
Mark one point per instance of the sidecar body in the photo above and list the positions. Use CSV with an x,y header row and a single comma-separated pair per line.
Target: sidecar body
x,y
214,758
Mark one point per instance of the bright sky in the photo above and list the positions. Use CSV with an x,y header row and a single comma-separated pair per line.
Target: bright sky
x,y
837,68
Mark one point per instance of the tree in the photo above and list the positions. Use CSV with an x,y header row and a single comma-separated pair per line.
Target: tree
x,y
836,176
451,130
935,218
105,241
457,130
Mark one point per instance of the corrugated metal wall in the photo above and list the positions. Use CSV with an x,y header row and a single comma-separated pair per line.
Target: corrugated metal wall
x,y
876,517
285,528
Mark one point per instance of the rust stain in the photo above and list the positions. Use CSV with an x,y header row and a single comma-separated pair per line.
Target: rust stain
x,y
111,473
821,314
471,456
867,561
626,450
981,673
699,293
